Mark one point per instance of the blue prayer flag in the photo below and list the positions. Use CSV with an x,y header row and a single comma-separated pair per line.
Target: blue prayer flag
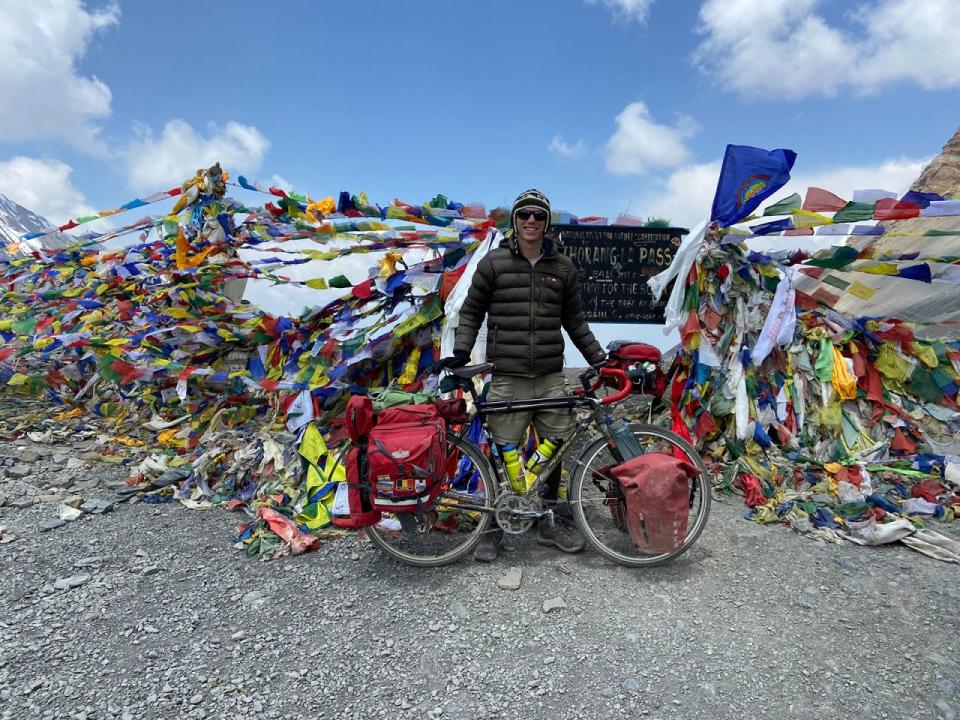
x,y
923,199
748,176
776,226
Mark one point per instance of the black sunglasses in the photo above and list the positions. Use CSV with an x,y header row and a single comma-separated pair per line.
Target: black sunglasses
x,y
538,215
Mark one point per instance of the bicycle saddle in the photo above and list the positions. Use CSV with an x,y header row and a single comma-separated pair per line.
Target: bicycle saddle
x,y
470,371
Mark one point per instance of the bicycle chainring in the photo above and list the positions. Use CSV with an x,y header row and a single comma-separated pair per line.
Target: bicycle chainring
x,y
509,510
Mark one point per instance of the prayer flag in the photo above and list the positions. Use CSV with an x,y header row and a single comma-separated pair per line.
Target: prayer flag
x,y
748,176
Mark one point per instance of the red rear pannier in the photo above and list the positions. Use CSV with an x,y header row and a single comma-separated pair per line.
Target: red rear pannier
x,y
605,479
638,357
405,455
656,489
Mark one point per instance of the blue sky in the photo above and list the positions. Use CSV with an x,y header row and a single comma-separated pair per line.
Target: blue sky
x,y
607,106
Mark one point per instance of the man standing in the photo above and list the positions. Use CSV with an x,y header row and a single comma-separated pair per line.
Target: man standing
x,y
529,292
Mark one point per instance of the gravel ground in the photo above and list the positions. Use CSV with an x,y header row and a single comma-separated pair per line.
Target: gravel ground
x,y
146,611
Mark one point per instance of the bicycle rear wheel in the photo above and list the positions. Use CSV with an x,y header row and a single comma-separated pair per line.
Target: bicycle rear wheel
x,y
599,508
451,529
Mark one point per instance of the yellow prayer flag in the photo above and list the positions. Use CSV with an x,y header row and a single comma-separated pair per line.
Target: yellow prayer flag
x,y
858,289
409,373
808,219
878,268
843,380
312,446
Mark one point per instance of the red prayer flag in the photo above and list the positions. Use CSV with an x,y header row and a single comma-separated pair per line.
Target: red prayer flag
x,y
824,296
901,443
819,200
364,290
892,209
127,372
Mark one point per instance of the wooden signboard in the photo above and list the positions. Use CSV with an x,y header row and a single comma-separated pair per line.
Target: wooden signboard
x,y
615,262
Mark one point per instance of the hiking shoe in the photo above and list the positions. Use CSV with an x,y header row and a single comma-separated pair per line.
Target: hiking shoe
x,y
488,548
563,534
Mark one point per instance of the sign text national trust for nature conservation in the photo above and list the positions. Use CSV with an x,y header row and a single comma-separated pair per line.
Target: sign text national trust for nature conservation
x,y
615,262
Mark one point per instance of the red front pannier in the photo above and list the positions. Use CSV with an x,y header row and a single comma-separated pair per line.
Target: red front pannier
x,y
642,362
362,512
358,417
405,458
359,421
656,490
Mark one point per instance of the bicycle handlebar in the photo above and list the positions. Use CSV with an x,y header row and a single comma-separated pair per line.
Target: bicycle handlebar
x,y
625,384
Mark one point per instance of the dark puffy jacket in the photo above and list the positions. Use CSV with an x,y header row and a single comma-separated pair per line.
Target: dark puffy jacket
x,y
526,308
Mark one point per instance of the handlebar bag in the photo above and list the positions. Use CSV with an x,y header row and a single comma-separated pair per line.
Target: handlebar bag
x,y
405,455
657,496
630,357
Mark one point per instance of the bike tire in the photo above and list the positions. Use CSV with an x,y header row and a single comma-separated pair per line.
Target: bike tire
x,y
405,551
590,522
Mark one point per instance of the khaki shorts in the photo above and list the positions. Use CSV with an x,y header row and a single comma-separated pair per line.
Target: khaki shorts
x,y
508,428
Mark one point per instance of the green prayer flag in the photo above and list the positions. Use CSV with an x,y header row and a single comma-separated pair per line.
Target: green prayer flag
x,y
824,365
25,326
941,233
854,211
785,206
841,257
340,281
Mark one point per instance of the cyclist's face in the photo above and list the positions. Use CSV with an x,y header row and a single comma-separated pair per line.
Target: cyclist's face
x,y
531,225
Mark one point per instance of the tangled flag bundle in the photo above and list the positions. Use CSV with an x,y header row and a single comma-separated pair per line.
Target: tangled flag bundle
x,y
841,426
229,405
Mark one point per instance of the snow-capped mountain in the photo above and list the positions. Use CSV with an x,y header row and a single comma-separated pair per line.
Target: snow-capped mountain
x,y
15,220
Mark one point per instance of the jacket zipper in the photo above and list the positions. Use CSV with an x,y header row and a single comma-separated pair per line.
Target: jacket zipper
x,y
533,290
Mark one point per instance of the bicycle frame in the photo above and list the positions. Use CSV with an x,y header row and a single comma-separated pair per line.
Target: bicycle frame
x,y
586,398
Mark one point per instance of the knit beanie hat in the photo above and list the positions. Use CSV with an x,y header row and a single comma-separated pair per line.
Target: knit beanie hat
x,y
530,200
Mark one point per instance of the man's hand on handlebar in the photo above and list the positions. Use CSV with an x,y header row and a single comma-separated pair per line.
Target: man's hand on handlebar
x,y
458,359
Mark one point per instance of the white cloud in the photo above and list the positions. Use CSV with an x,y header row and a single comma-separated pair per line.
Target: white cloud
x,y
786,49
639,143
281,182
44,187
686,195
627,10
156,162
913,40
45,96
559,146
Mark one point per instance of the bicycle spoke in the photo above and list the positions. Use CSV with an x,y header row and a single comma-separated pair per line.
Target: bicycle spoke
x,y
602,512
455,521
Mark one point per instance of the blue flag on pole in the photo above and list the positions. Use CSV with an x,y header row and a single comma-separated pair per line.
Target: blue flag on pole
x,y
748,176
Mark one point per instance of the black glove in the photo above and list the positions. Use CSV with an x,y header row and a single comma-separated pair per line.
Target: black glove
x,y
458,359
601,363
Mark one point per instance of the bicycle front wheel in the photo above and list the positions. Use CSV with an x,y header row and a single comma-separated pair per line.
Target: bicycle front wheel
x,y
454,524
600,510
